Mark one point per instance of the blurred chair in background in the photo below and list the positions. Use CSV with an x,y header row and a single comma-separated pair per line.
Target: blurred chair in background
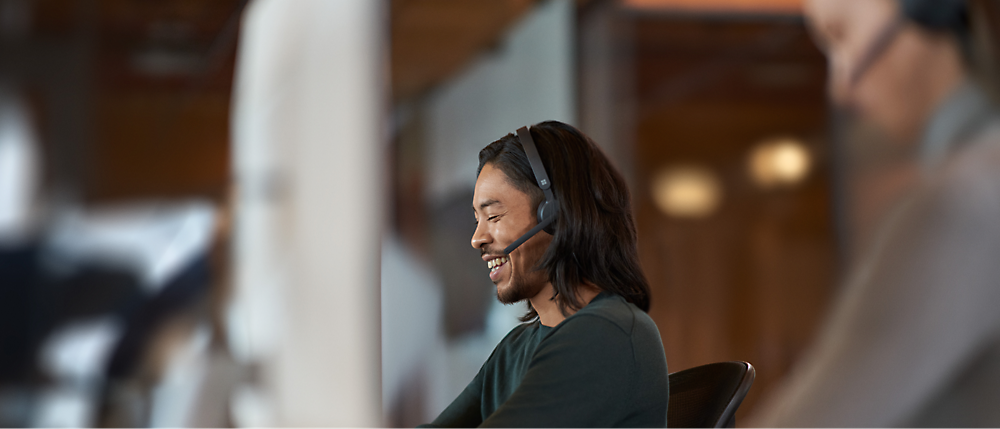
x,y
91,298
913,338
101,302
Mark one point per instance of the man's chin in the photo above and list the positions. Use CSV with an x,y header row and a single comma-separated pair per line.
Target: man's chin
x,y
507,293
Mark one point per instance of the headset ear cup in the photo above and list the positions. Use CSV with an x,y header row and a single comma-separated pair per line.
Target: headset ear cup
x,y
546,211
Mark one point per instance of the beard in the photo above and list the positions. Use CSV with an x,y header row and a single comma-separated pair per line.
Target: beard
x,y
522,285
526,282
521,288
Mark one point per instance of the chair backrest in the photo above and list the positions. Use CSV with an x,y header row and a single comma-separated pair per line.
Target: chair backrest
x,y
707,396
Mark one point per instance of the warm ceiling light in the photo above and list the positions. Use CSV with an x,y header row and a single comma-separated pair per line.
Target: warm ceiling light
x,y
686,191
779,162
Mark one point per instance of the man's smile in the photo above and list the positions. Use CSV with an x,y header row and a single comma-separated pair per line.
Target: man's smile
x,y
496,262
495,265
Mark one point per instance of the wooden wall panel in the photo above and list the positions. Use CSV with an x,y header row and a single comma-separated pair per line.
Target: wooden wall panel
x,y
161,144
751,281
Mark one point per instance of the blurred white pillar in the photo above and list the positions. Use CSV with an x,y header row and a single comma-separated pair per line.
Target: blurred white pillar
x,y
308,133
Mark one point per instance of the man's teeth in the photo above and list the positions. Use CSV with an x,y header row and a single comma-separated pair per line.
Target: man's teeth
x,y
495,264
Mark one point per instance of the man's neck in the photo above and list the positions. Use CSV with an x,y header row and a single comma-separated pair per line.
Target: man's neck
x,y
547,304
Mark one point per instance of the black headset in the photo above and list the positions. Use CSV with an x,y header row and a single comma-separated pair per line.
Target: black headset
x,y
938,15
935,15
548,210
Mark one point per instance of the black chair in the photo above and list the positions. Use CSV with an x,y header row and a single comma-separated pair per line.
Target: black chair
x,y
707,396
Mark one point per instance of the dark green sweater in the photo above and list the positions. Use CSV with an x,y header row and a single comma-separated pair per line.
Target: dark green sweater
x,y
603,366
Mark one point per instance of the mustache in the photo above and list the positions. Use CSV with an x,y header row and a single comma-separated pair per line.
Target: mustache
x,y
491,251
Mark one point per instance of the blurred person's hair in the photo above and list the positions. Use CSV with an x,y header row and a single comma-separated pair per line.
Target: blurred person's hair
x,y
972,23
594,239
942,16
984,22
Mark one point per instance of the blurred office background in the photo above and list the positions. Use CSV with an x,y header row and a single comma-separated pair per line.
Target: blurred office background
x,y
246,213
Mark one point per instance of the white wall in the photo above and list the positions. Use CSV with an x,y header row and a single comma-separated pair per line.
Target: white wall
x,y
529,79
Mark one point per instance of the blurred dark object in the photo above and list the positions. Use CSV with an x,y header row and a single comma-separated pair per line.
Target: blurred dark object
x,y
467,292
708,396
19,272
34,303
125,399
86,301
144,318
438,231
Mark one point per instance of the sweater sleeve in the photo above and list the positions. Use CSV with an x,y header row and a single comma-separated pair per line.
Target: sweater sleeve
x,y
919,310
466,410
574,379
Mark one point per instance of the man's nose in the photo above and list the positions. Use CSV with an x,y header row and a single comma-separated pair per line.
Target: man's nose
x,y
480,237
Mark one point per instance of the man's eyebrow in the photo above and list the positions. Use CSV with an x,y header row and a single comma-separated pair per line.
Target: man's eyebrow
x,y
485,204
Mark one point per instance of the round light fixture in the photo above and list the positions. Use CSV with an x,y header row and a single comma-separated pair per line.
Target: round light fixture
x,y
686,191
779,162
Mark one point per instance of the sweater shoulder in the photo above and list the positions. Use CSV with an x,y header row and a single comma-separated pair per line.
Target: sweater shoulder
x,y
615,310
518,334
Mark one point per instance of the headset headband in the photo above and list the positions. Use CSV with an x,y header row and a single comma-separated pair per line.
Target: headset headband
x,y
547,210
541,176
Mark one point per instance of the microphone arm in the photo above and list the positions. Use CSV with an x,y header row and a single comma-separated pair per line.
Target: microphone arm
x,y
520,240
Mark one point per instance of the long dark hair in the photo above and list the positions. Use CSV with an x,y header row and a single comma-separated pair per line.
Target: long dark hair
x,y
594,239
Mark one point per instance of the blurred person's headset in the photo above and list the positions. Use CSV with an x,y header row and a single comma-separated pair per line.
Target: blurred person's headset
x,y
950,16
548,209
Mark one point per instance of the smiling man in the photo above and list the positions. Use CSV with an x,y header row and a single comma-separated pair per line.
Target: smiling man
x,y
587,353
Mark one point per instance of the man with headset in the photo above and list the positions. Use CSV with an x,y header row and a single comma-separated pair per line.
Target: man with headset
x,y
555,228
914,338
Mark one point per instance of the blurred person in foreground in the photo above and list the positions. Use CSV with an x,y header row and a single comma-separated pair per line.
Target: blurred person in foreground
x,y
587,353
914,337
